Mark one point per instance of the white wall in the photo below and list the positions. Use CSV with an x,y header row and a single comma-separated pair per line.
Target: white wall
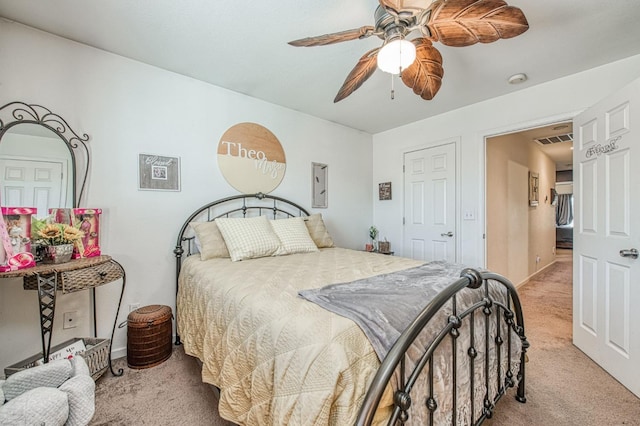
x,y
127,108
533,106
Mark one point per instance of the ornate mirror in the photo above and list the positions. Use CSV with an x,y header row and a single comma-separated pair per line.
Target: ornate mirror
x,y
43,162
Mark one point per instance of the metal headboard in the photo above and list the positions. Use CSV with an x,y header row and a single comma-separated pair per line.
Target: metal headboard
x,y
245,205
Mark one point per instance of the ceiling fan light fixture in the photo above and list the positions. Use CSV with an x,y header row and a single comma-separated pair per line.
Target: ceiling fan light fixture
x,y
397,55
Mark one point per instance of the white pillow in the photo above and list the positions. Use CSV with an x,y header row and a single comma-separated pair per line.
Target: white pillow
x,y
38,406
294,236
248,238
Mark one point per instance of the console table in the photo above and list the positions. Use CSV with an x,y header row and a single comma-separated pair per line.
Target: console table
x,y
75,275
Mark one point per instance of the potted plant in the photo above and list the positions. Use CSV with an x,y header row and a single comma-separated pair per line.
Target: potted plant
x,y
57,240
373,234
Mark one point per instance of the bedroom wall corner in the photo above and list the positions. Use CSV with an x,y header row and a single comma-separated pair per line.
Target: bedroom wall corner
x,y
127,108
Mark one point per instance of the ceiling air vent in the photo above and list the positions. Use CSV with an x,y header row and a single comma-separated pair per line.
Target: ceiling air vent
x,y
555,139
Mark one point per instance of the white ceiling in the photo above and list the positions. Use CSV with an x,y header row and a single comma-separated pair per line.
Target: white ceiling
x,y
242,45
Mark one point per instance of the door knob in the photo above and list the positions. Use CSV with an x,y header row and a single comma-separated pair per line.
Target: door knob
x,y
448,234
632,253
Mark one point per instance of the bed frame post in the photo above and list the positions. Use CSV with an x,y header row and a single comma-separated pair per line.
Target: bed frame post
x,y
178,252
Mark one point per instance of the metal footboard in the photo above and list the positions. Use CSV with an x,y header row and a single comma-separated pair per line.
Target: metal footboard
x,y
396,363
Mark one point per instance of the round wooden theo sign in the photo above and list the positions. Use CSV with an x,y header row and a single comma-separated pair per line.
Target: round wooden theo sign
x,y
251,158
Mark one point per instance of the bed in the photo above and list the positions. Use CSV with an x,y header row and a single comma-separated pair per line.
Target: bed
x,y
270,341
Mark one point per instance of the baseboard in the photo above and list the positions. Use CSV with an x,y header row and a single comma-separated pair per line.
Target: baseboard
x,y
526,280
118,353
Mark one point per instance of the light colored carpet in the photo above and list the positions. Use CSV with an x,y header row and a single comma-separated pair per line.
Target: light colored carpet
x,y
564,387
171,393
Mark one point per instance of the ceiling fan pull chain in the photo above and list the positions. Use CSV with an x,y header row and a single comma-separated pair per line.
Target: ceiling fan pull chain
x,y
393,92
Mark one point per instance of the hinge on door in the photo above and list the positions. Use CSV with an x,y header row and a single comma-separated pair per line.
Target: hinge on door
x,y
403,220
403,168
484,236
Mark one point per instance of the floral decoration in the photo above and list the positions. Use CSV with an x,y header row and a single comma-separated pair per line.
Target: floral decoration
x,y
55,234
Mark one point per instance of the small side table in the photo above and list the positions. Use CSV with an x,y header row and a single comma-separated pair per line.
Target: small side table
x,y
75,275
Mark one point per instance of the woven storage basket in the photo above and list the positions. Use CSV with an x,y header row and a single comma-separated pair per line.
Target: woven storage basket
x,y
149,336
96,355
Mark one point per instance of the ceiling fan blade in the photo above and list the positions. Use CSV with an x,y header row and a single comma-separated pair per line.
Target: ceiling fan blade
x,y
466,22
397,6
424,76
365,67
356,33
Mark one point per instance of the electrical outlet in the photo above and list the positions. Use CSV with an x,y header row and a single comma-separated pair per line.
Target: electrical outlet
x,y
70,319
537,259
134,306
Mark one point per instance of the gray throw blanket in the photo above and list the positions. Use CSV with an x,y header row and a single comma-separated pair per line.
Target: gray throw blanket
x,y
384,305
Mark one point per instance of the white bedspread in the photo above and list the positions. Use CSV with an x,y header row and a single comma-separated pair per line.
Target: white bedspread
x,y
277,358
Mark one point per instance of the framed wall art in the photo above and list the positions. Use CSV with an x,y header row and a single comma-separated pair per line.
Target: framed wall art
x,y
158,173
319,175
534,190
251,158
384,191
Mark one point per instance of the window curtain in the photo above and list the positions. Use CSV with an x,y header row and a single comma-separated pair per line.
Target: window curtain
x,y
564,209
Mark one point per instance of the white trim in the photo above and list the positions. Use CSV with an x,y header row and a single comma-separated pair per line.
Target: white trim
x,y
530,277
120,353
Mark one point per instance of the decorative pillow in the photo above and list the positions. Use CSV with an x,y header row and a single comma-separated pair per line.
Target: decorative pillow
x,y
38,406
248,238
52,375
294,236
209,240
80,392
318,231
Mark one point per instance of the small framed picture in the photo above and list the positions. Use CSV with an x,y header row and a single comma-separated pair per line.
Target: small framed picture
x,y
534,182
319,176
158,173
384,191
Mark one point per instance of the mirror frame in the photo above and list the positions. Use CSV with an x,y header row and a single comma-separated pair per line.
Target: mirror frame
x,y
23,113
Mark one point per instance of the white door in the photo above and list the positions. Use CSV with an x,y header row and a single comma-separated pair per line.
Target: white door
x,y
430,203
606,291
32,183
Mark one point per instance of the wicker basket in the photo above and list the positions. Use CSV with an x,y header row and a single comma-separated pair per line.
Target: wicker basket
x,y
96,356
149,336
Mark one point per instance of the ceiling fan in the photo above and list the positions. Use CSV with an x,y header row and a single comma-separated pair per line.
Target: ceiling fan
x,y
450,22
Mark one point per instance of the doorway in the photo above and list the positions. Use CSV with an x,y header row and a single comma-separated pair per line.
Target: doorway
x,y
523,171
